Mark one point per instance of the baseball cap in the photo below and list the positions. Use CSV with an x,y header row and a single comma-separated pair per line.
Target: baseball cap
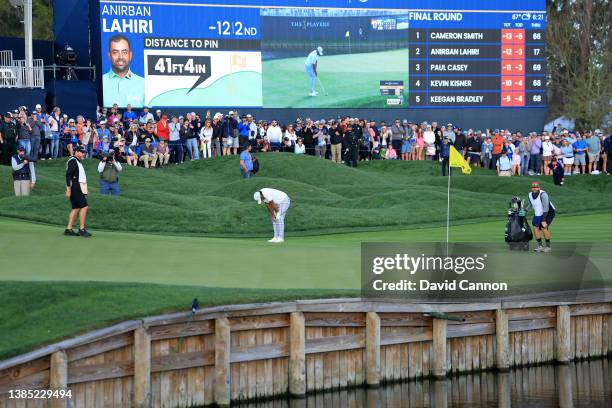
x,y
320,50
81,149
20,148
257,197
231,112
535,184
38,106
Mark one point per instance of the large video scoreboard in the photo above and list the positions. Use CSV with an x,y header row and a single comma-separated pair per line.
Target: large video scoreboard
x,y
477,59
371,54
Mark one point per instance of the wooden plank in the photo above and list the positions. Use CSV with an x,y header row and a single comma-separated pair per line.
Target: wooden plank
x,y
502,340
17,373
297,354
171,331
322,319
31,382
142,367
531,313
372,352
490,351
605,334
405,319
563,327
259,322
269,380
178,361
406,335
466,330
335,343
259,352
100,371
439,346
590,309
533,324
70,343
100,346
222,361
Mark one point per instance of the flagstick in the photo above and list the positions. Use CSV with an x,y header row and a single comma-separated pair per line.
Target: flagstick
x,y
448,206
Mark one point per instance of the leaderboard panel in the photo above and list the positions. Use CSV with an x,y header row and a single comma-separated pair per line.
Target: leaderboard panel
x,y
502,64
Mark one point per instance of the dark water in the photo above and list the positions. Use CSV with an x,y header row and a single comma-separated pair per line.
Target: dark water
x,y
582,384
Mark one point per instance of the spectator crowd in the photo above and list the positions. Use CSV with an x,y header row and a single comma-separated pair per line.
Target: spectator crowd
x,y
155,139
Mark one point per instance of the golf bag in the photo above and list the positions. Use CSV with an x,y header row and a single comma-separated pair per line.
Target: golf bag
x,y
518,232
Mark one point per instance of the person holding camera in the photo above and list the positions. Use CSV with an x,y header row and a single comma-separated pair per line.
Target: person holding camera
x,y
24,174
109,169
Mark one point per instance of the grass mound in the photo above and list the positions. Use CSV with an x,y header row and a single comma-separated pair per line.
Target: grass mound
x,y
210,198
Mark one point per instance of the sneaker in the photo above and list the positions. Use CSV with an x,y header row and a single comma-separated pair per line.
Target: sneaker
x,y
313,94
279,241
273,240
546,249
70,233
539,248
84,233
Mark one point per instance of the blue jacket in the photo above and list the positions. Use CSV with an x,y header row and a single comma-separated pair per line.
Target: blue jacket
x,y
243,129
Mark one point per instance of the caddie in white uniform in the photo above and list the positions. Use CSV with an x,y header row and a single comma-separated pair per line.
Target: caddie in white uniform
x,y
277,202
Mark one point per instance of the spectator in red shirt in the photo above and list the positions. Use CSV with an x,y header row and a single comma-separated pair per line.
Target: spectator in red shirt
x,y
498,144
163,128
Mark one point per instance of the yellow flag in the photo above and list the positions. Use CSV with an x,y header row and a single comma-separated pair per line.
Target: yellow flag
x,y
456,160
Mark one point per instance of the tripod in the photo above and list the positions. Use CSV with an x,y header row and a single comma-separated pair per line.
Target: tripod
x,y
70,74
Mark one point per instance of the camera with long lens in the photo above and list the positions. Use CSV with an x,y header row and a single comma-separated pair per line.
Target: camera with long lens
x,y
110,155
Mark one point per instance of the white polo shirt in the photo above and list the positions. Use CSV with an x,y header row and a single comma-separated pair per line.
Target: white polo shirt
x,y
312,59
272,194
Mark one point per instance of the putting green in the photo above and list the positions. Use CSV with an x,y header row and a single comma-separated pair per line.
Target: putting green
x,y
40,252
350,80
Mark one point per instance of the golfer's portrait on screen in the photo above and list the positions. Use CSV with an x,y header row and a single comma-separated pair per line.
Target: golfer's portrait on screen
x,y
121,85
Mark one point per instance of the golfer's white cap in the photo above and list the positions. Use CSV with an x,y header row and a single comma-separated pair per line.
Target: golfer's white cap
x,y
38,106
320,50
257,197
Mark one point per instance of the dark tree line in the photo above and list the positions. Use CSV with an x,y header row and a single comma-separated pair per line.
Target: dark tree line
x,y
579,55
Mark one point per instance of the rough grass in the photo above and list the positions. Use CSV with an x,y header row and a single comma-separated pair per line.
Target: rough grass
x,y
210,198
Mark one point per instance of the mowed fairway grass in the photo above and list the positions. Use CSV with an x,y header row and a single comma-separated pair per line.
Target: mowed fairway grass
x,y
351,80
194,231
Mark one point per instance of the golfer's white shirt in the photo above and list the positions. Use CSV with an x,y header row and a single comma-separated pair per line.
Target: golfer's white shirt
x,y
312,59
272,194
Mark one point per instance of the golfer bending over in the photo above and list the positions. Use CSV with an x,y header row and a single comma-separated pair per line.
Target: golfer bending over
x,y
311,68
277,203
543,215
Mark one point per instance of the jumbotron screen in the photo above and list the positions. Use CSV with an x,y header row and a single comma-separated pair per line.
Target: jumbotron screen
x,y
324,53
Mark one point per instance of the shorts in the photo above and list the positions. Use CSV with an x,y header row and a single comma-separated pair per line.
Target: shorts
x,y
568,161
537,219
77,198
227,142
593,157
235,142
474,158
579,159
406,147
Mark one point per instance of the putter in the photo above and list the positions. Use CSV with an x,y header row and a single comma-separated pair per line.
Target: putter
x,y
322,87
